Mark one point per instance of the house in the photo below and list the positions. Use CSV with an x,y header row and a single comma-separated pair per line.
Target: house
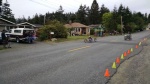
x,y
78,29
29,25
98,29
5,24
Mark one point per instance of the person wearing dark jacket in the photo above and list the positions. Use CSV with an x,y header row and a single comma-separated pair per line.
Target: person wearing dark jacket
x,y
4,38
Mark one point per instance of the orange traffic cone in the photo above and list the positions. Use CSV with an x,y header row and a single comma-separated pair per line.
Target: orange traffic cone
x,y
125,54
107,74
136,46
117,60
128,51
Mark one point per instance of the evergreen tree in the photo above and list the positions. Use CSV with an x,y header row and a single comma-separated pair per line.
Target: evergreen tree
x,y
138,20
120,10
29,19
72,17
87,16
114,19
36,19
94,13
81,14
59,14
41,19
19,20
24,19
102,11
6,12
127,16
148,18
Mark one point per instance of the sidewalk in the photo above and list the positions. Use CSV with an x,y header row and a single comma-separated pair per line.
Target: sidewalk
x,y
135,70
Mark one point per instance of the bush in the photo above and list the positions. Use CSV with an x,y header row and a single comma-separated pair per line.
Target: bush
x,y
52,26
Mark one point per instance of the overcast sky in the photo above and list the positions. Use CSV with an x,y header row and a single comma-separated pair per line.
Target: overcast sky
x,y
27,8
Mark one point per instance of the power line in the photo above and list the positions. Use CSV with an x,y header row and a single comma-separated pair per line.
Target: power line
x,y
71,7
46,5
43,4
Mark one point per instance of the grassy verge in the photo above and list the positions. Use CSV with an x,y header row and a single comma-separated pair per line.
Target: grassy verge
x,y
1,48
71,38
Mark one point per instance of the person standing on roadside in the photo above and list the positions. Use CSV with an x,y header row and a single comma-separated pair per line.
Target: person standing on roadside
x,y
8,41
4,38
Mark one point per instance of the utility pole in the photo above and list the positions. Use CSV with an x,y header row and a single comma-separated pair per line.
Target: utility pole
x,y
121,26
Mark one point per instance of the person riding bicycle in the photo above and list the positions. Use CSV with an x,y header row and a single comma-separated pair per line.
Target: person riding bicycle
x,y
90,38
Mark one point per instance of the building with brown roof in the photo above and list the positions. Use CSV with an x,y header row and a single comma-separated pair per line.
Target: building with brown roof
x,y
78,29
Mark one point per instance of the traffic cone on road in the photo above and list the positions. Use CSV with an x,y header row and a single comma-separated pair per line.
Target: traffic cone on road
x,y
107,74
128,51
122,57
136,46
117,60
114,65
125,54
131,50
139,43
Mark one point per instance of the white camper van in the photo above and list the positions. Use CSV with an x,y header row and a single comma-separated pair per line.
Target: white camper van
x,y
21,34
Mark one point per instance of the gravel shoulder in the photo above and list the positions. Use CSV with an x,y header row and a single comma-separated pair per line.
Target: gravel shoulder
x,y
135,70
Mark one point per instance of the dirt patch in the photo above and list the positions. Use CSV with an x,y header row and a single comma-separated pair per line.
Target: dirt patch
x,y
135,70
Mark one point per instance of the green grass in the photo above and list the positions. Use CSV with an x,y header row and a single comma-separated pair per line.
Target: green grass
x,y
72,38
1,48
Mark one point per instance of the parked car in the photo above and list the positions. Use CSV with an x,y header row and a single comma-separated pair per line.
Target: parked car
x,y
22,34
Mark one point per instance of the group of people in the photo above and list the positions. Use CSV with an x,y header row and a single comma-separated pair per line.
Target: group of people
x,y
5,39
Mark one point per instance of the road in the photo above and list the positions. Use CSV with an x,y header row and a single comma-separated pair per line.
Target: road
x,y
63,63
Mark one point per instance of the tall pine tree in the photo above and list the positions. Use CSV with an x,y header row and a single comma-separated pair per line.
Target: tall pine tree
x,y
81,14
6,12
148,18
94,13
114,19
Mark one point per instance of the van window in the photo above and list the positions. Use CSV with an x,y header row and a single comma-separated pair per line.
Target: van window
x,y
17,31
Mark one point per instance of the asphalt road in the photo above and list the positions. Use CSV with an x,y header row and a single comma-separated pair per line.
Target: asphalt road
x,y
63,63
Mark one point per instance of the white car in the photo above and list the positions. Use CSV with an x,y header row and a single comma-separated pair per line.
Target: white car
x,y
22,34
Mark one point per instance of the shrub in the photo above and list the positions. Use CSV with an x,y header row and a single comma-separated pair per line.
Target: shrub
x,y
52,26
